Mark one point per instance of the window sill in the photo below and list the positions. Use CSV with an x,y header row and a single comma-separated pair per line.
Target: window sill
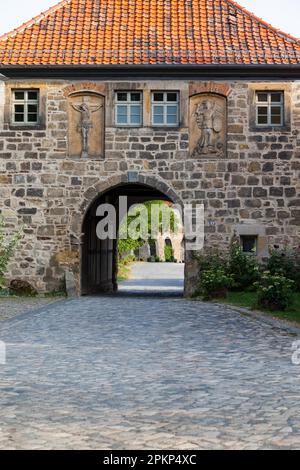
x,y
270,128
165,127
26,127
127,126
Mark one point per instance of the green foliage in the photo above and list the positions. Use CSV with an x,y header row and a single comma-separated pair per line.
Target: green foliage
x,y
286,263
125,246
275,292
212,259
243,268
124,267
249,300
165,211
169,255
214,283
127,260
7,249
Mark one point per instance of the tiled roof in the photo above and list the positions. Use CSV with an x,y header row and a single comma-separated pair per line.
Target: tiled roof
x,y
108,32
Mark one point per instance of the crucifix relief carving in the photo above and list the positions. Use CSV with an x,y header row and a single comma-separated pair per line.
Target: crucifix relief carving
x,y
208,125
86,125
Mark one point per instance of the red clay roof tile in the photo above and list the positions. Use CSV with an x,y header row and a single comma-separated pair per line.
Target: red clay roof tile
x,y
138,32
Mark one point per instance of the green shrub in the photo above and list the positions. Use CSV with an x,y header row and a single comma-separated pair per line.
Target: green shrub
x,y
286,263
126,260
243,268
275,292
7,249
212,259
214,283
169,256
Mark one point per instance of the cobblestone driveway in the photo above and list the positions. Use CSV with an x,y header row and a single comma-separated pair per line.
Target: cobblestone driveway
x,y
134,372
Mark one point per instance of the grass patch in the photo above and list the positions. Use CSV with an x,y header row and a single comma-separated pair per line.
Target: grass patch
x,y
124,267
123,272
249,300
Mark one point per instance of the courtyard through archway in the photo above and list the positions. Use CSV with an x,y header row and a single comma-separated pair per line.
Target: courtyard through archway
x,y
114,263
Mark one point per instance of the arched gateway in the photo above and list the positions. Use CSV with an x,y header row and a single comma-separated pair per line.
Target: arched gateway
x,y
98,264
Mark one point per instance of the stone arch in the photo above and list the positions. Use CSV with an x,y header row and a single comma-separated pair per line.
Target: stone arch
x,y
81,228
92,193
222,89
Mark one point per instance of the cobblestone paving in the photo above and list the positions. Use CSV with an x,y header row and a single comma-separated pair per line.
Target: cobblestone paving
x,y
13,306
148,373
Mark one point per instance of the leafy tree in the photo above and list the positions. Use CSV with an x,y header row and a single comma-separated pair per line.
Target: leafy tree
x,y
163,210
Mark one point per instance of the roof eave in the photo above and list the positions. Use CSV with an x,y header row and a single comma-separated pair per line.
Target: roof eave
x,y
155,71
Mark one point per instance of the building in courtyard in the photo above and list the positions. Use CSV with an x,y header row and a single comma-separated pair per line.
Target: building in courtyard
x,y
188,101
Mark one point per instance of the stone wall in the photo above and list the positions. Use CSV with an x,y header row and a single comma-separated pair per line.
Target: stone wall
x,y
255,182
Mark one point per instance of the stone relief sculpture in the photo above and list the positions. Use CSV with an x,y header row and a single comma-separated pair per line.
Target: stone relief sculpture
x,y
86,125
208,125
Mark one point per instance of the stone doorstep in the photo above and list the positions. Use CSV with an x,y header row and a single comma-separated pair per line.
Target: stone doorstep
x,y
284,325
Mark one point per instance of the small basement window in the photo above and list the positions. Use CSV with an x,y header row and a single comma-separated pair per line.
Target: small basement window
x,y
25,107
249,244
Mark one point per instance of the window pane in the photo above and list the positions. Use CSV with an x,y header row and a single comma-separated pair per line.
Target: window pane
x,y
136,109
276,120
157,119
135,119
276,110
158,110
122,110
122,96
276,97
19,108
32,117
171,96
172,110
122,119
262,111
19,117
32,108
172,119
122,115
262,97
262,119
135,114
19,95
32,95
135,96
158,97
172,115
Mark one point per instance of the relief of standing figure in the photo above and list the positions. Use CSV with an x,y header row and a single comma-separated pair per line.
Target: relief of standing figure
x,y
86,123
209,120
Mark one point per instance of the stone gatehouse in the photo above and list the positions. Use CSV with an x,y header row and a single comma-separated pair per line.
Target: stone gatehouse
x,y
120,110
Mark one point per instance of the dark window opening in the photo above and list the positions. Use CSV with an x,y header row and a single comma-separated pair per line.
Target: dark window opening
x,y
249,244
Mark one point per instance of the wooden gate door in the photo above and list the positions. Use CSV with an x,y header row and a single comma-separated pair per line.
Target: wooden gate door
x,y
98,260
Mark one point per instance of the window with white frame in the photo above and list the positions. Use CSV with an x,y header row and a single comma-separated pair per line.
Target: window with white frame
x,y
25,107
165,108
129,108
269,108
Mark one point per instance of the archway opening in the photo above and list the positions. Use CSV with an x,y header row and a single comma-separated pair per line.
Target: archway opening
x,y
101,257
